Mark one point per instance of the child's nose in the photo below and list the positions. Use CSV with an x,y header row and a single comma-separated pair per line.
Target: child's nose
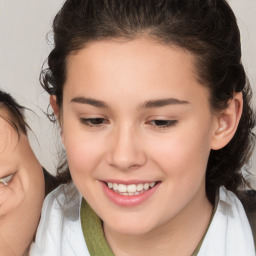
x,y
126,151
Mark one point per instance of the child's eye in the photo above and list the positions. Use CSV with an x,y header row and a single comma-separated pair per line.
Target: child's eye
x,y
93,122
163,123
6,179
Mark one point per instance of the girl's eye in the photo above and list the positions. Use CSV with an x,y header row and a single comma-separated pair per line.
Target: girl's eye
x,y
93,122
6,179
163,123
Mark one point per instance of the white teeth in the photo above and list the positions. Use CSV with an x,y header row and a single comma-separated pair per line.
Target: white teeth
x,y
152,184
139,187
122,188
146,186
131,189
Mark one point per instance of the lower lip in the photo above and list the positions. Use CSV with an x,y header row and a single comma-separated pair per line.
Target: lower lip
x,y
128,201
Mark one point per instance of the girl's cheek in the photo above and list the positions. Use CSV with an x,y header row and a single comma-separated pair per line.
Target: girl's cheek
x,y
7,201
11,197
83,148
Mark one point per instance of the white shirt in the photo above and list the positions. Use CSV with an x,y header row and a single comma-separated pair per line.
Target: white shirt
x,y
60,232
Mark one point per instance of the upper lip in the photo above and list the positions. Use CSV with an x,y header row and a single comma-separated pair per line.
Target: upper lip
x,y
128,182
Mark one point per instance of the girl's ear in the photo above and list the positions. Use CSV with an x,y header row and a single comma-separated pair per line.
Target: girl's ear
x,y
56,110
227,122
55,107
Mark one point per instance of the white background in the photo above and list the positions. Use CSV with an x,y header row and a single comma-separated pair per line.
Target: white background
x,y
23,49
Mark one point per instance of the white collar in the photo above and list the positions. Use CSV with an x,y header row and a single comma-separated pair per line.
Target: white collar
x,y
229,233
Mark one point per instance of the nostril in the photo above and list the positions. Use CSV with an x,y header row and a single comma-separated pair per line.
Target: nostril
x,y
134,166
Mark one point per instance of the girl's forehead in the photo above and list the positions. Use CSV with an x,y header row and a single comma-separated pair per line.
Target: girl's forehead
x,y
134,51
140,68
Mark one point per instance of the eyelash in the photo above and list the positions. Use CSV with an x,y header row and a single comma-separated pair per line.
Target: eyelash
x,y
97,122
6,179
93,122
163,124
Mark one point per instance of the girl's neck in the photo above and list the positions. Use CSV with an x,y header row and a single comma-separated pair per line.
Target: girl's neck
x,y
180,236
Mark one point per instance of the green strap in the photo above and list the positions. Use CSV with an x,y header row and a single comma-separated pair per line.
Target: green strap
x,y
93,232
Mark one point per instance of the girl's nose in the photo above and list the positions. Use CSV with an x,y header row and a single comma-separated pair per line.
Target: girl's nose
x,y
126,151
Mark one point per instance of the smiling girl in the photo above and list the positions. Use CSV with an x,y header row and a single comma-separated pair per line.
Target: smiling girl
x,y
154,109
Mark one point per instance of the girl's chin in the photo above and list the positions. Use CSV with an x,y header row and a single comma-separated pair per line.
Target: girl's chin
x,y
128,228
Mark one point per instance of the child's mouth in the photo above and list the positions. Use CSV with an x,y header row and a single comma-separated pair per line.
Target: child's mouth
x,y
131,189
129,194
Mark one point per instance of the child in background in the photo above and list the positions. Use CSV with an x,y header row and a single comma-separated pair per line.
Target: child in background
x,y
21,181
154,109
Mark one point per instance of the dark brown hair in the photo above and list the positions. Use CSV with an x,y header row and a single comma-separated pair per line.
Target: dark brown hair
x,y
206,28
14,113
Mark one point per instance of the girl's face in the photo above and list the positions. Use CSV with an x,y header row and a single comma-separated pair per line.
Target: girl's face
x,y
136,119
21,190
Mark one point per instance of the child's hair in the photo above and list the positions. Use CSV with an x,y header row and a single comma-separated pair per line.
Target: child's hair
x,y
205,28
13,113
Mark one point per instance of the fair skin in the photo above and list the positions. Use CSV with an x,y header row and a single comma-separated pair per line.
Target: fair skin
x,y
21,194
153,124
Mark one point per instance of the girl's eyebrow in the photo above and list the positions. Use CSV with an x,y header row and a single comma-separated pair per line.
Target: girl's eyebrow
x,y
90,101
163,102
147,104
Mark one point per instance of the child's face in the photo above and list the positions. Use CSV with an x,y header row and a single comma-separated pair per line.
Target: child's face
x,y
21,190
135,113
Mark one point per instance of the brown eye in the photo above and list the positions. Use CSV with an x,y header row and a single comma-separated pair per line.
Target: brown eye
x,y
93,121
6,179
163,123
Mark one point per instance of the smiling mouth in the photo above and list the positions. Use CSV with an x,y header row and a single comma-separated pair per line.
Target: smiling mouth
x,y
131,189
